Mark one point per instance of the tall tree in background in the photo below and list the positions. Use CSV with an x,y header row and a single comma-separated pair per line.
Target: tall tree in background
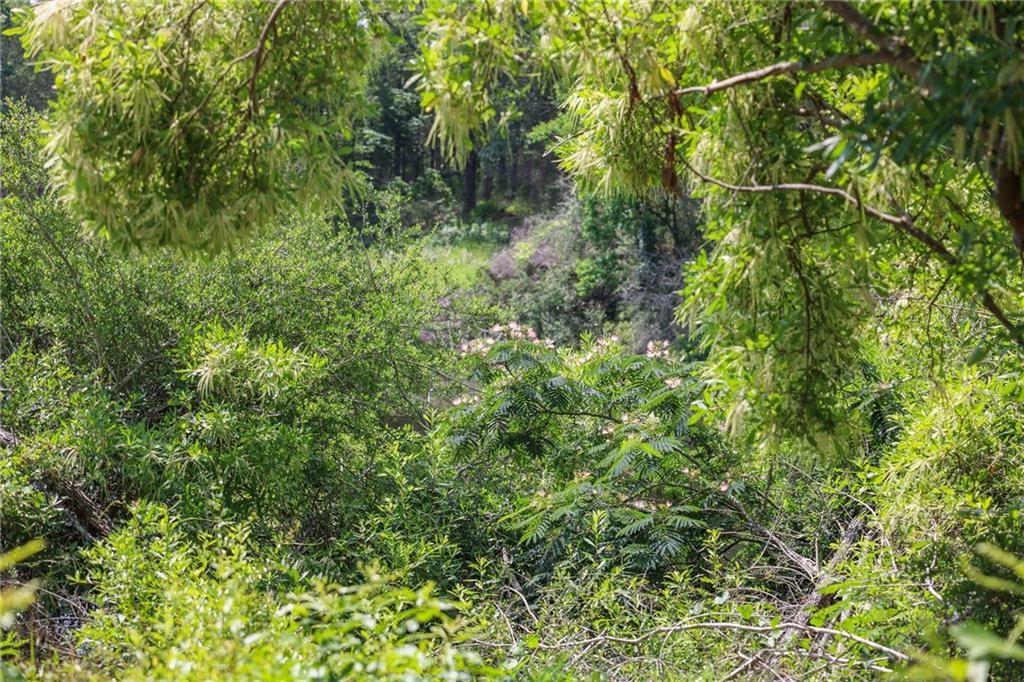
x,y
19,80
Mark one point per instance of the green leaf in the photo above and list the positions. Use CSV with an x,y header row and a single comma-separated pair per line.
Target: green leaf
x,y
982,643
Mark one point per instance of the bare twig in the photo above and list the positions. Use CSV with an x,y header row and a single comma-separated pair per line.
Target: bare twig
x,y
850,536
153,357
808,567
749,661
716,625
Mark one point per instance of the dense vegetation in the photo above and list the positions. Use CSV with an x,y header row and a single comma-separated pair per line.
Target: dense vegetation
x,y
552,340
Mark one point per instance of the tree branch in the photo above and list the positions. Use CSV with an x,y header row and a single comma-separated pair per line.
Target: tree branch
x,y
899,52
255,53
153,357
258,54
809,568
717,625
851,534
841,61
904,223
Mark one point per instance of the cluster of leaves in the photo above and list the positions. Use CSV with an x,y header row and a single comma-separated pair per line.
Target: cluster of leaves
x,y
628,477
189,139
230,614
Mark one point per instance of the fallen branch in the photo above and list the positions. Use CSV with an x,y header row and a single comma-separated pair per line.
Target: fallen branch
x,y
716,625
809,568
83,514
851,535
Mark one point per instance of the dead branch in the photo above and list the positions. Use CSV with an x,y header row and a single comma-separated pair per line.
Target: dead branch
x,y
808,567
715,625
826,576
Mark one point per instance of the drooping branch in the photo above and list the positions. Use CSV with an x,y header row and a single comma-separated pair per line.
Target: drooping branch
x,y
904,223
256,54
893,51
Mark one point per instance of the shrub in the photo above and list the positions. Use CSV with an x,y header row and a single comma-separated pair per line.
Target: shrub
x,y
169,607
626,475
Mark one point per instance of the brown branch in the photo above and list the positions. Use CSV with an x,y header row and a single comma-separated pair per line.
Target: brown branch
x,y
83,513
841,61
904,223
255,53
153,357
8,439
86,305
259,53
851,534
899,52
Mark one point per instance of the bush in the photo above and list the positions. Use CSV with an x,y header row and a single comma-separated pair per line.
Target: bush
x,y
626,476
599,267
168,607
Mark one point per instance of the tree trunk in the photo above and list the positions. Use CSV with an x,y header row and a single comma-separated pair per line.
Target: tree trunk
x,y
469,184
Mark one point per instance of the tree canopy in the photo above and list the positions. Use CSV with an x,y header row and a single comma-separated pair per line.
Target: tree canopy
x,y
841,151
512,339
163,132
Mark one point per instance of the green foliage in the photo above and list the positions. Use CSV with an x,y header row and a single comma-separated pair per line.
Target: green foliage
x,y
628,478
226,366
810,471
15,599
595,275
953,482
797,270
205,120
231,615
431,199
480,232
